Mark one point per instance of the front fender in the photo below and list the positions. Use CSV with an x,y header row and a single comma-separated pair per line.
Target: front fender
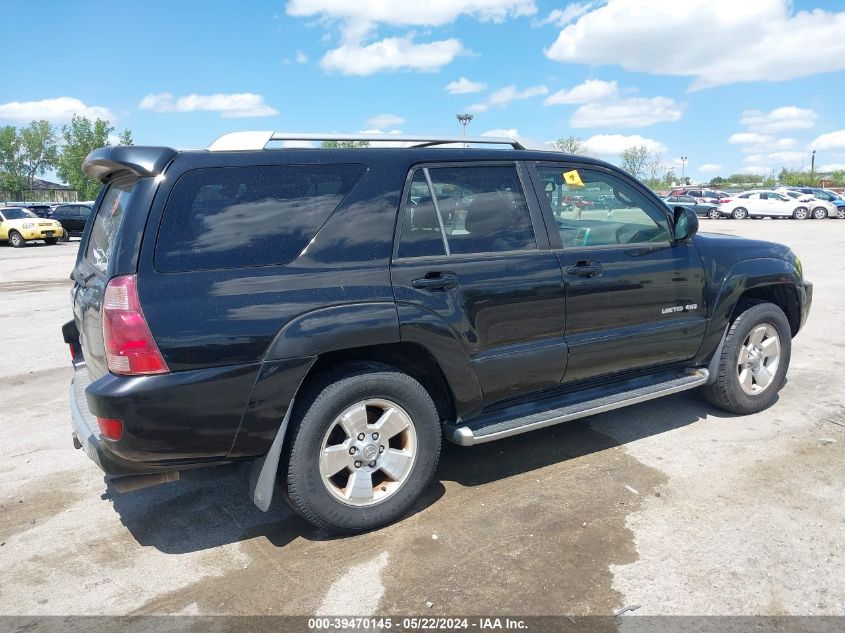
x,y
743,276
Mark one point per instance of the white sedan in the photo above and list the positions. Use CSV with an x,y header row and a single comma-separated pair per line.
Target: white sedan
x,y
761,203
819,209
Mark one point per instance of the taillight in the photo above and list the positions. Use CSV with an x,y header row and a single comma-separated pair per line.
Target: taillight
x,y
131,349
725,200
110,428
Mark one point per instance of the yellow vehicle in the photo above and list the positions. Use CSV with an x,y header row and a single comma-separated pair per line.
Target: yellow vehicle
x,y
19,226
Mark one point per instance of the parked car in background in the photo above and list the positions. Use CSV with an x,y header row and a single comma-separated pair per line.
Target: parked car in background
x,y
819,209
72,217
19,226
828,196
761,203
41,210
705,195
703,209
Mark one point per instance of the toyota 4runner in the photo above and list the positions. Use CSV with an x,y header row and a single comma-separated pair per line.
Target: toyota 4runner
x,y
327,315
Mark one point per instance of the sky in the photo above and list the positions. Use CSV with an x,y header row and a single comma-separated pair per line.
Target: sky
x,y
732,85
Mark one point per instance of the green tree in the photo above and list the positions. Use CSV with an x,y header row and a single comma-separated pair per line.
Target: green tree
x,y
837,178
11,162
570,145
344,144
40,149
717,181
635,160
82,137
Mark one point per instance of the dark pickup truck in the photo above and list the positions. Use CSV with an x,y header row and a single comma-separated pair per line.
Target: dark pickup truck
x,y
328,315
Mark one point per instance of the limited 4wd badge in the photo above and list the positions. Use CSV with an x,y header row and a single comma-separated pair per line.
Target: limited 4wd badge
x,y
687,308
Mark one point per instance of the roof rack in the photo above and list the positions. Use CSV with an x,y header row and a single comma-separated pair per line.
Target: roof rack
x,y
259,140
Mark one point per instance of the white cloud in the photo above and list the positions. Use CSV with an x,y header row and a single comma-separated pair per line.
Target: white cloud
x,y
562,17
759,170
509,132
779,119
759,40
833,167
464,86
58,109
749,138
831,140
615,144
391,54
503,97
430,13
385,120
710,168
301,58
229,106
775,158
587,92
633,112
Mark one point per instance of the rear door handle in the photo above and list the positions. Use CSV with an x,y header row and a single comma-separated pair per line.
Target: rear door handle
x,y
436,281
585,269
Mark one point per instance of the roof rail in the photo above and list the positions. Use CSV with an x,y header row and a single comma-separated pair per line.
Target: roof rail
x,y
259,140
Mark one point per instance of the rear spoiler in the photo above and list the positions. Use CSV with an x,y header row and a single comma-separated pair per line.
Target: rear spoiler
x,y
143,161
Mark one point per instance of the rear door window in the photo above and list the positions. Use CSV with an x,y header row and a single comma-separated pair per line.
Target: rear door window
x,y
109,217
238,217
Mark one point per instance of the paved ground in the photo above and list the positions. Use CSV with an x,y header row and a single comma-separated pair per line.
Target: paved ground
x,y
670,505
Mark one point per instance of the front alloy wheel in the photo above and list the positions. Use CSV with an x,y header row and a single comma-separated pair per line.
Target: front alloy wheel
x,y
758,359
819,213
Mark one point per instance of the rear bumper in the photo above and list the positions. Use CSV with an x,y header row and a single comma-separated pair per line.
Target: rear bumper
x,y
40,234
170,423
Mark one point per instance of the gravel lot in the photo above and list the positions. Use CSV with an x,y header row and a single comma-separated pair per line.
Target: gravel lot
x,y
670,505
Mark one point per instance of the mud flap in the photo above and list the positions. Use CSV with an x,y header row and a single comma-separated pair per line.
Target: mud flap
x,y
262,477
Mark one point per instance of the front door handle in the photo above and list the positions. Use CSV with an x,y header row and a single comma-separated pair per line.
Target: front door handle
x,y
585,269
436,281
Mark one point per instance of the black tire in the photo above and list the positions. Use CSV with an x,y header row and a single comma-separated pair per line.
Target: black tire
x,y
801,213
840,213
51,241
65,237
726,392
16,239
819,213
714,214
740,213
307,493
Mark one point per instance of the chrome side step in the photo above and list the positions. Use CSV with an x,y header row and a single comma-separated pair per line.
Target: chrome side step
x,y
478,432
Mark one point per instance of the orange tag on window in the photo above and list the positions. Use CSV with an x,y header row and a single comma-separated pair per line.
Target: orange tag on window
x,y
573,178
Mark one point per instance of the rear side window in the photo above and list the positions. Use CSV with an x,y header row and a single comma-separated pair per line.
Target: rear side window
x,y
237,217
109,216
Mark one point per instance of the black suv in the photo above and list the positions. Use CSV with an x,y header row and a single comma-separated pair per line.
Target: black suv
x,y
73,218
326,315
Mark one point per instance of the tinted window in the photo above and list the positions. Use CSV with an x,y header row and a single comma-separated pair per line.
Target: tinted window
x,y
235,217
483,209
596,208
421,234
107,222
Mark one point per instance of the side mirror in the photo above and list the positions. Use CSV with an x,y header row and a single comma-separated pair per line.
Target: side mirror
x,y
686,223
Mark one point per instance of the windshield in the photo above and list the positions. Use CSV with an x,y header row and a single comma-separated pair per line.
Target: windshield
x,y
17,214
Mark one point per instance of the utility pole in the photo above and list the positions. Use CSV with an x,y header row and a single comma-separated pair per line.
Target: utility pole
x,y
464,120
683,170
812,166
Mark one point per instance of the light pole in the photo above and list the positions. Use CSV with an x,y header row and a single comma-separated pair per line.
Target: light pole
x,y
464,120
812,166
683,169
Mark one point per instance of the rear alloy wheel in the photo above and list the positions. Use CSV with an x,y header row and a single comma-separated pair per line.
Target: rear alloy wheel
x,y
740,213
801,213
819,213
714,214
16,239
364,451
753,362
